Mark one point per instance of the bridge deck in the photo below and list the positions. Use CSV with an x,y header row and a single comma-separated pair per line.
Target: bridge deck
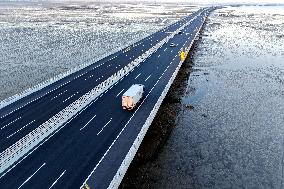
x,y
94,143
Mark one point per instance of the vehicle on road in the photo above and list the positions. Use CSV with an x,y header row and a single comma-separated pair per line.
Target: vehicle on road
x,y
179,32
172,45
132,96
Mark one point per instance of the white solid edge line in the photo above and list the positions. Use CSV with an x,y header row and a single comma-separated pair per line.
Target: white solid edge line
x,y
32,175
118,135
116,138
5,172
79,69
36,148
57,179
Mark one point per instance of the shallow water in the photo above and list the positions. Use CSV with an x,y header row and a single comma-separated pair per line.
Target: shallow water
x,y
41,40
233,137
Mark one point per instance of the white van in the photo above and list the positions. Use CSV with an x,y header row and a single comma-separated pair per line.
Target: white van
x,y
132,96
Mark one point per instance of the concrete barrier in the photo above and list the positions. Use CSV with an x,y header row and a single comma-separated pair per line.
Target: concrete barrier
x,y
131,153
13,153
52,80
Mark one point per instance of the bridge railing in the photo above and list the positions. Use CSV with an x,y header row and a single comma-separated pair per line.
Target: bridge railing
x,y
133,149
56,78
16,151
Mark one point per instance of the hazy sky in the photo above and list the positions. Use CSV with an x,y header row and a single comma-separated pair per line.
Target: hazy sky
x,y
245,1
213,1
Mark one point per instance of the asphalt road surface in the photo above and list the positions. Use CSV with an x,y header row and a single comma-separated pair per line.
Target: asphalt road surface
x,y
69,155
23,116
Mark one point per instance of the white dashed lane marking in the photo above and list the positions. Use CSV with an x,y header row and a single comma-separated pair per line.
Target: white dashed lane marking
x,y
11,122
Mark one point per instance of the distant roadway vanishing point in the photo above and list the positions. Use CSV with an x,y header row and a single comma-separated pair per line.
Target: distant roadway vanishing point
x,y
64,136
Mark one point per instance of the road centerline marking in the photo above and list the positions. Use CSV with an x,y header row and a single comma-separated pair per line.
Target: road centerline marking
x,y
121,132
104,126
119,92
148,77
31,175
57,179
20,129
59,94
137,76
11,123
88,122
70,97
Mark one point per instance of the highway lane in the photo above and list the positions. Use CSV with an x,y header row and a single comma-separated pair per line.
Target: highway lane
x,y
66,159
66,79
20,122
3,110
20,103
117,153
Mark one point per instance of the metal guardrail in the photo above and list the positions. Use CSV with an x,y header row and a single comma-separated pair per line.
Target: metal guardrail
x,y
13,153
133,149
